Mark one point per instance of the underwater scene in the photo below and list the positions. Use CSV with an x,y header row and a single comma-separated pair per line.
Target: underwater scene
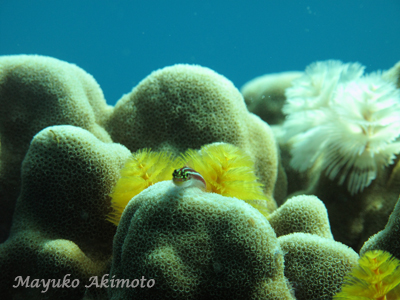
x,y
199,150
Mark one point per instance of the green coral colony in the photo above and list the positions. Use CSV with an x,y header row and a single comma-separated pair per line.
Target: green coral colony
x,y
245,213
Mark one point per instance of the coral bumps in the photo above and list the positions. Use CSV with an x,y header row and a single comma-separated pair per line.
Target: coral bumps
x,y
194,244
59,224
37,92
68,171
198,246
186,106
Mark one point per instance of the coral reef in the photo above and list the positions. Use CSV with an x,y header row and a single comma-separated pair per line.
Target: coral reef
x,y
339,142
387,239
354,219
314,265
196,245
265,95
37,92
59,225
57,213
303,213
68,146
184,106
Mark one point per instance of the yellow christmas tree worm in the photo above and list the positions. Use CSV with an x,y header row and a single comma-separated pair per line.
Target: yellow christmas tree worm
x,y
228,171
377,276
219,168
143,169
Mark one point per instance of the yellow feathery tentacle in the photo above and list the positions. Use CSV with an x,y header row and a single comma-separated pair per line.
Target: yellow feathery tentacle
x,y
143,169
377,276
219,168
228,171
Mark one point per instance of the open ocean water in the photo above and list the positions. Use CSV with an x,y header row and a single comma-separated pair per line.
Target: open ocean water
x,y
120,42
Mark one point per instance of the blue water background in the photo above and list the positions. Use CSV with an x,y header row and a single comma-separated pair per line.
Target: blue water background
x,y
121,42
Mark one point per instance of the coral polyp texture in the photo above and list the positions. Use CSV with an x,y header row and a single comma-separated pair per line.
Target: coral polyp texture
x,y
63,150
185,107
196,245
377,276
315,266
36,92
347,121
59,225
302,213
